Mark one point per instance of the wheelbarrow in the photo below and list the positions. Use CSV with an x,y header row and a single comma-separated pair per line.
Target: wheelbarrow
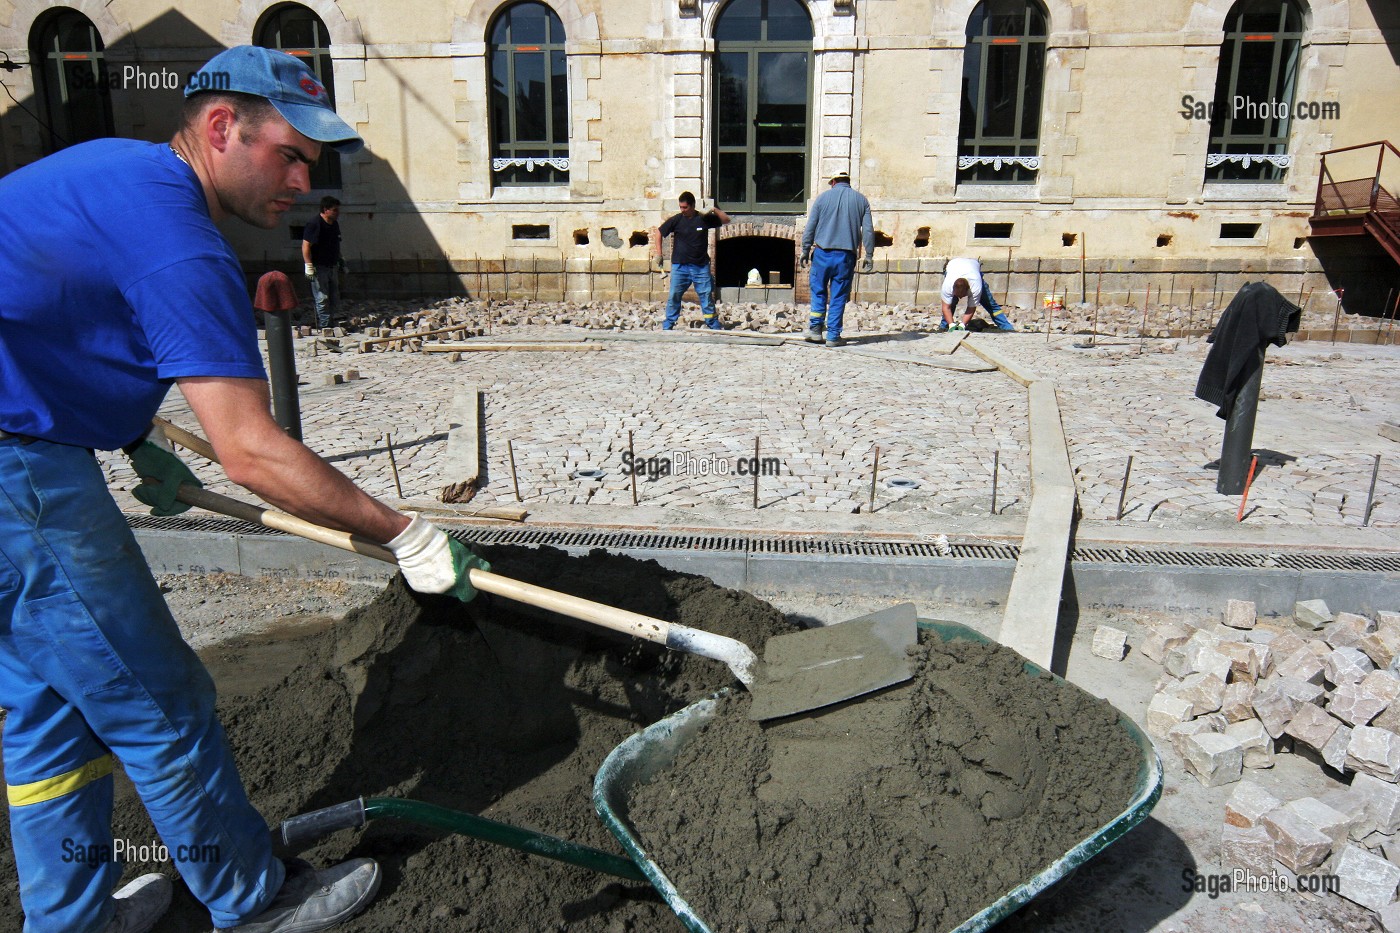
x,y
652,751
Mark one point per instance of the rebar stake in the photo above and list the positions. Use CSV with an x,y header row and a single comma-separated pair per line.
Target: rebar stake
x,y
1375,471
632,458
755,471
1123,493
515,483
389,446
1248,481
874,476
996,468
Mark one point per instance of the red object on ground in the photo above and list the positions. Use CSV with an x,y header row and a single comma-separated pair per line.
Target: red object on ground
x,y
1253,462
275,293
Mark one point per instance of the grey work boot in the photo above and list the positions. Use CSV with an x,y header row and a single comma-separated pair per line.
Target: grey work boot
x,y
313,900
140,904
813,335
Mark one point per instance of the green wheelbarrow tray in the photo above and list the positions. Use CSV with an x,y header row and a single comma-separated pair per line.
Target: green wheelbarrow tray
x,y
653,750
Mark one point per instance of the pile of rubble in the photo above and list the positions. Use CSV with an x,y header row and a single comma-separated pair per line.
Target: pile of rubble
x,y
1237,693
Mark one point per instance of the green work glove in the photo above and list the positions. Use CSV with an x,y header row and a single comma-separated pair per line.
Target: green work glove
x,y
433,562
162,473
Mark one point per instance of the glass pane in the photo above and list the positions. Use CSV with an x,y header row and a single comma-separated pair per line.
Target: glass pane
x,y
1035,80
1006,18
1003,83
782,99
293,29
731,182
528,22
781,177
1253,84
559,96
1263,16
788,22
732,106
75,34
740,22
556,29
972,68
500,97
529,97
500,33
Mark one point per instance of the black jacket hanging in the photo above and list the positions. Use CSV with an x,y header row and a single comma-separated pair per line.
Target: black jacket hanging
x,y
1256,316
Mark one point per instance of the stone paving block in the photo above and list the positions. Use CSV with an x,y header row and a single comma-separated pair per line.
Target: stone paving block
x,y
1301,665
1249,803
1213,759
1287,644
1109,642
1311,613
1166,711
1390,918
1335,752
1356,704
1247,661
1164,637
1240,613
1389,719
1237,704
1353,806
1366,879
1382,800
1275,709
1332,823
1383,684
1196,657
1299,845
1346,666
1388,620
1347,629
1312,726
1178,734
1255,740
1381,646
1300,690
1248,848
1203,691
1374,751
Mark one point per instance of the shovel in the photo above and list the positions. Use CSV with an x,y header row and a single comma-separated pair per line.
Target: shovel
x,y
804,670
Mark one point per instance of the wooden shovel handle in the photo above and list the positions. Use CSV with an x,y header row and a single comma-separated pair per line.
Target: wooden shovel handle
x,y
619,620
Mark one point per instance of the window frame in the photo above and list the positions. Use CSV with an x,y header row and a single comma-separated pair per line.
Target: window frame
x,y
515,162
51,80
1020,165
327,173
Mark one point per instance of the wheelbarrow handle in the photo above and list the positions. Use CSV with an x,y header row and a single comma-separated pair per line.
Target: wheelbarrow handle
x,y
308,827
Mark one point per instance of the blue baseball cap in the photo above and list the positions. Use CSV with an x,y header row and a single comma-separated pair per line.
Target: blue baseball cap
x,y
286,83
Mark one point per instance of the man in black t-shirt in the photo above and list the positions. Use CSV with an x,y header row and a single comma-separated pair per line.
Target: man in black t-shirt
x,y
320,250
690,259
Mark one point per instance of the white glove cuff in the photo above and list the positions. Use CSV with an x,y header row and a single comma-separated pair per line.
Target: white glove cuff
x,y
424,556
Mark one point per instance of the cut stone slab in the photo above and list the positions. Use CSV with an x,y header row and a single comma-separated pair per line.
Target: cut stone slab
x,y
1352,805
1287,644
1197,658
1248,848
1301,690
1240,613
1275,708
1382,802
1109,642
1164,638
1203,691
1346,666
1332,823
1254,739
1213,759
1312,726
1237,703
1381,646
1374,751
1249,803
1365,879
1382,683
1388,620
1311,613
1302,665
1356,704
1335,752
1178,734
1164,712
1247,662
1298,844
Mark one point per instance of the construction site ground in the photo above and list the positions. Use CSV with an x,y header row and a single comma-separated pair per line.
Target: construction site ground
x,y
938,419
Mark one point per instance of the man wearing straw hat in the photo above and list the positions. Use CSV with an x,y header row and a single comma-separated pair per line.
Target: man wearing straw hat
x,y
838,224
126,288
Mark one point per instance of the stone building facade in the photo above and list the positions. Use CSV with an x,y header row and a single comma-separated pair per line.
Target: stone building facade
x,y
1061,141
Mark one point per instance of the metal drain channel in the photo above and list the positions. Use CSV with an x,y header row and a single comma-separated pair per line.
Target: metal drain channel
x,y
834,547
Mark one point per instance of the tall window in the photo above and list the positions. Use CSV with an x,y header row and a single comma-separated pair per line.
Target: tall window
x,y
1254,92
529,97
297,31
70,74
763,82
1003,78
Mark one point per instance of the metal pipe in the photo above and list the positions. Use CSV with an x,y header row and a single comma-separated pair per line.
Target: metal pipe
x,y
1236,448
282,372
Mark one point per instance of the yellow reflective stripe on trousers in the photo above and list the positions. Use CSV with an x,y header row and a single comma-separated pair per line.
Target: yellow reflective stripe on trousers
x,y
22,795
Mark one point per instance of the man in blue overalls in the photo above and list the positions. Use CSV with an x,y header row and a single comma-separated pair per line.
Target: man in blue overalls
x,y
837,224
125,288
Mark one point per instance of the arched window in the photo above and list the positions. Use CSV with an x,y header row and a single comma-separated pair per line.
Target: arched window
x,y
762,86
529,97
1003,79
70,75
1254,90
294,29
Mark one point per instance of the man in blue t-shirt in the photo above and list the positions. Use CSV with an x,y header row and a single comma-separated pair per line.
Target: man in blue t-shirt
x,y
320,250
123,288
690,259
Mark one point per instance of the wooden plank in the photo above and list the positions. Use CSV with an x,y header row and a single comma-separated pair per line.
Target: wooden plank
x,y
511,347
462,467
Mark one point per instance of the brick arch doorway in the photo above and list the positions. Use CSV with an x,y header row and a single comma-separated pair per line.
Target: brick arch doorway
x,y
742,246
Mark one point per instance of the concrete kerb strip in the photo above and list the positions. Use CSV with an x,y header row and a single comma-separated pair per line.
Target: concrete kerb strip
x,y
461,469
1033,603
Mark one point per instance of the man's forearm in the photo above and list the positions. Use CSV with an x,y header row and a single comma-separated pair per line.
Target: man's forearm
x,y
305,251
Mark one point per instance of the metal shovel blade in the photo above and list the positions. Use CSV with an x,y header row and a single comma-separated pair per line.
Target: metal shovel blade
x,y
820,666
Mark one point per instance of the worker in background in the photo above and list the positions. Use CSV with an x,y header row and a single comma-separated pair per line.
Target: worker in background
x,y
963,282
838,223
97,320
690,259
320,251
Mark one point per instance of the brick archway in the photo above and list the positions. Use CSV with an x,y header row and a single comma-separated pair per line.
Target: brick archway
x,y
786,267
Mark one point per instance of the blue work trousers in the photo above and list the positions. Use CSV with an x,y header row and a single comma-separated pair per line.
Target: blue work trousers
x,y
92,668
830,279
682,277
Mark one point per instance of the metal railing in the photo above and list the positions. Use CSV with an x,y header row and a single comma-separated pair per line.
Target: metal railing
x,y
1362,194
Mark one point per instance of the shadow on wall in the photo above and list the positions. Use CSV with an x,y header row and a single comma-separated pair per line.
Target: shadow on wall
x,y
1387,14
145,80
1362,269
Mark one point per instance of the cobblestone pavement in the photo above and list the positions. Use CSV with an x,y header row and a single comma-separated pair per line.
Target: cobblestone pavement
x,y
696,409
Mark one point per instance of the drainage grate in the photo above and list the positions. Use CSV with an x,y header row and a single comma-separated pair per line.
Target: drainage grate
x,y
834,547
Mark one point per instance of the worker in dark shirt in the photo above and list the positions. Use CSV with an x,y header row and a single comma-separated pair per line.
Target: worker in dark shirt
x,y
690,259
320,250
